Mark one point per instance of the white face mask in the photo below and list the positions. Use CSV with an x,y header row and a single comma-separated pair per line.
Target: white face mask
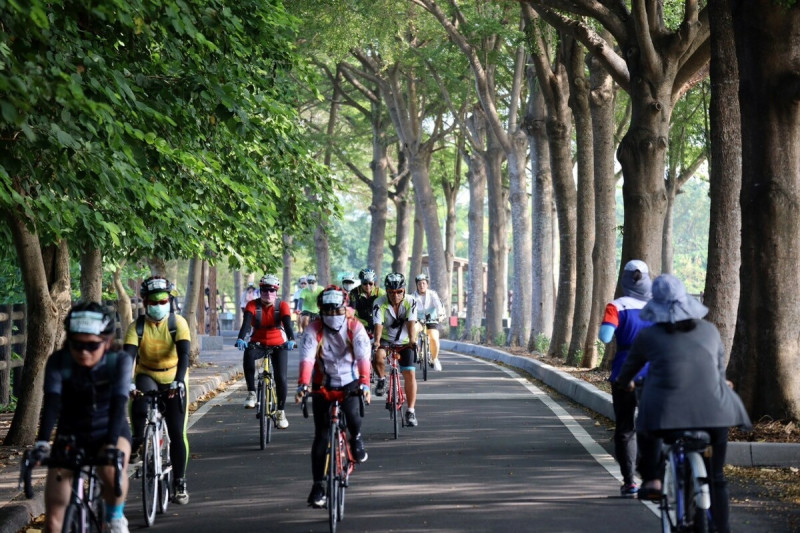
x,y
158,312
348,286
334,322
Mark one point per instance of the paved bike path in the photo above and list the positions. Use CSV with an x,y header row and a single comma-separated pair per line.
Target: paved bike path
x,y
489,454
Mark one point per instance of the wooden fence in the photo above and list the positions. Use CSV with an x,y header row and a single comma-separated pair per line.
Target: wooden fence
x,y
13,338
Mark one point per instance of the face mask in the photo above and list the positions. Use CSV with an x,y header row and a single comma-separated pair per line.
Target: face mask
x,y
158,312
269,296
348,286
334,322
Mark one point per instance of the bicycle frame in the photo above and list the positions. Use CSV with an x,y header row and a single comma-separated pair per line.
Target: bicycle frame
x,y
156,484
266,396
396,396
686,497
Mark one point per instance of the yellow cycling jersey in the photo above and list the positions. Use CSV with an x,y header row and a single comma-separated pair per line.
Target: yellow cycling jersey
x,y
157,356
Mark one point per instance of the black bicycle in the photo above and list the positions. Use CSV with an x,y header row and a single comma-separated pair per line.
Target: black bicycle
x,y
85,512
266,395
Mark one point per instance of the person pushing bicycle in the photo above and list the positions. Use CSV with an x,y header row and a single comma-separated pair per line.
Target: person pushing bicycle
x,y
271,320
160,342
395,318
335,354
86,391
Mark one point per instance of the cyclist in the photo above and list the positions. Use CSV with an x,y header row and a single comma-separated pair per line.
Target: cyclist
x,y
363,297
335,355
622,319
86,392
348,281
395,318
308,301
160,343
685,386
250,293
429,305
301,284
271,321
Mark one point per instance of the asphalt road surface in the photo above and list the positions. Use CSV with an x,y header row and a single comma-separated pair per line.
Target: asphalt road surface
x,y
491,453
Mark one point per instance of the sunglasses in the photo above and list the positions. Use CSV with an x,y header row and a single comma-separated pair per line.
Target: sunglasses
x,y
368,283
270,289
398,291
89,346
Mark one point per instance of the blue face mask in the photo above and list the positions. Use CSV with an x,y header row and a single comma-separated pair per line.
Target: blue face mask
x,y
158,312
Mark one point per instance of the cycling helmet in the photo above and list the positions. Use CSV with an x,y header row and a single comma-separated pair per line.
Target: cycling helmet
x,y
394,281
91,318
331,298
348,277
269,280
302,280
156,286
421,277
367,274
311,278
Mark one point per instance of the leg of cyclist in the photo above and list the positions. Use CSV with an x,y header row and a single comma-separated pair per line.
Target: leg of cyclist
x,y
177,416
624,402
350,407
433,339
249,368
115,505
651,465
144,383
57,492
718,483
321,409
280,362
380,370
409,384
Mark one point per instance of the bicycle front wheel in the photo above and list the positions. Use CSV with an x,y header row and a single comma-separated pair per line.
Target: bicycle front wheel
x,y
73,518
341,468
426,359
165,482
263,421
398,415
149,479
272,407
333,481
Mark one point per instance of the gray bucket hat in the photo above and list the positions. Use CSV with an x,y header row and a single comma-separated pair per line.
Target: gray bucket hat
x,y
671,303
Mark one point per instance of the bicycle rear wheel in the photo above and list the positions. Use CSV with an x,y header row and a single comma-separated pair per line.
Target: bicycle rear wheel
x,y
696,517
165,482
263,423
668,501
149,480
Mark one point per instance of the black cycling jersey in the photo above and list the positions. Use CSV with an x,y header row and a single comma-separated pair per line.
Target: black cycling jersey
x,y
363,306
89,403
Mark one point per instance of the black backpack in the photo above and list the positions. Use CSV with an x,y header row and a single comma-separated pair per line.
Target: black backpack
x,y
277,319
172,324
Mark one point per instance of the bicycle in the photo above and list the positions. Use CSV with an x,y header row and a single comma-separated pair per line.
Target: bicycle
x,y
156,468
686,500
85,512
424,349
266,396
339,460
395,396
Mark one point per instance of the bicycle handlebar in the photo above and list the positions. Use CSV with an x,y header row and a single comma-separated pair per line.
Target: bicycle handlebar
x,y
357,392
74,459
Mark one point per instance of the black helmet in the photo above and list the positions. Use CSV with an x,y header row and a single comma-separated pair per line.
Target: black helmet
x,y
90,317
367,274
331,298
153,285
394,281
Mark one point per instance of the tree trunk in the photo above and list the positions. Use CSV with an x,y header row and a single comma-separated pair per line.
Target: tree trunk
x,y
124,309
542,204
45,274
521,241
380,191
476,176
418,244
194,290
604,258
405,212
584,239
286,275
92,275
213,310
323,251
721,294
667,242
237,294
158,266
450,189
498,233
766,345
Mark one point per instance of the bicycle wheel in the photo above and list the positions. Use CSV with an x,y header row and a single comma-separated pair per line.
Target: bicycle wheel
x,y
73,518
149,480
342,468
426,357
165,483
263,421
396,402
97,505
668,503
696,516
272,407
333,482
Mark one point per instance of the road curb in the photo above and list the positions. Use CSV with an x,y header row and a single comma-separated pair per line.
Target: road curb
x,y
738,453
17,514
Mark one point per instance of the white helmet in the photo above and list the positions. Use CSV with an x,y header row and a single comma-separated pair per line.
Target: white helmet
x,y
269,280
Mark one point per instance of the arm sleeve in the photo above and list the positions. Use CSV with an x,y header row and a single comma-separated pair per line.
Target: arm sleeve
x,y
119,398
606,333
286,320
50,410
362,352
308,351
440,310
247,320
182,347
